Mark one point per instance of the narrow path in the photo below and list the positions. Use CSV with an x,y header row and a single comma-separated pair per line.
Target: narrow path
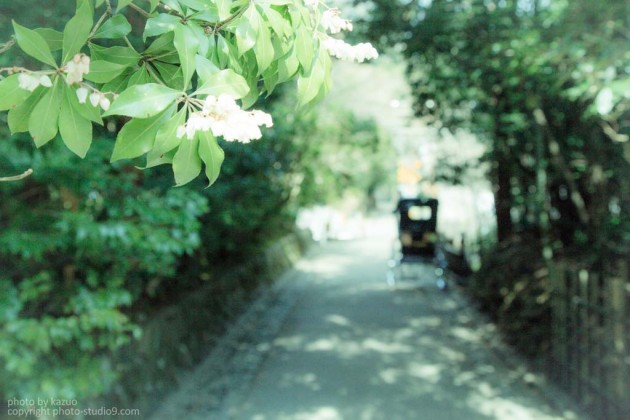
x,y
333,341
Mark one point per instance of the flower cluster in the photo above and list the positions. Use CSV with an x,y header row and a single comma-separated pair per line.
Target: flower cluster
x,y
76,68
333,23
30,81
343,50
224,117
96,98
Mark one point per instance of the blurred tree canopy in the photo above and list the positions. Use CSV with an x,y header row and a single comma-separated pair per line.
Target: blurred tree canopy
x,y
89,247
547,84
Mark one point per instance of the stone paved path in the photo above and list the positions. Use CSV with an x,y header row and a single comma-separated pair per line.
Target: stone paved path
x,y
332,340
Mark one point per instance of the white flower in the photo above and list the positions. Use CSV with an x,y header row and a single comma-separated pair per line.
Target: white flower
x,y
338,48
364,51
95,98
82,94
76,68
224,117
28,81
344,51
311,3
45,81
333,23
104,103
262,118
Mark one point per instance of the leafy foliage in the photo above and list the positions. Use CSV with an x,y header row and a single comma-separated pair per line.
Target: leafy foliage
x,y
545,84
90,241
188,54
89,248
548,96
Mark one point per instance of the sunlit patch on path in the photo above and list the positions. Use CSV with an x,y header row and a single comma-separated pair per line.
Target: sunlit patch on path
x,y
348,346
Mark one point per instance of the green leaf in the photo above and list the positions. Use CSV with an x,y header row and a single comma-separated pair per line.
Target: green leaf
x,y
223,53
44,120
278,23
174,4
140,77
138,136
171,74
156,159
211,154
224,82
166,139
205,68
91,3
186,162
250,99
75,130
202,38
247,30
160,24
120,55
53,38
33,44
103,71
76,32
287,67
187,46
116,27
310,84
122,4
161,45
304,47
270,78
118,84
143,101
86,110
18,116
154,5
263,49
11,95
199,4
223,8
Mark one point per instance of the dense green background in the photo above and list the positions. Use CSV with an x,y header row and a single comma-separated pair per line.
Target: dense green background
x,y
545,84
87,248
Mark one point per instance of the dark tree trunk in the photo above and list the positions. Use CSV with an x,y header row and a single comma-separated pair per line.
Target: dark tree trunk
x,y
502,195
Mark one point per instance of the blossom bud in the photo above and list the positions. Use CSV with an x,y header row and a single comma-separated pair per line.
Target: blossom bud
x,y
45,81
95,98
82,94
104,103
28,82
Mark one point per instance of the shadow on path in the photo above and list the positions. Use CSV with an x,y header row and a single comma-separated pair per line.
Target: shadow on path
x,y
351,347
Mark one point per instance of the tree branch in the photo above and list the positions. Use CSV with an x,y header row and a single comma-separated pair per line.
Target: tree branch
x,y
236,15
7,45
16,177
140,10
554,150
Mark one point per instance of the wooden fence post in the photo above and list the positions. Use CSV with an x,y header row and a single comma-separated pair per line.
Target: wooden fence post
x,y
618,295
557,276
584,337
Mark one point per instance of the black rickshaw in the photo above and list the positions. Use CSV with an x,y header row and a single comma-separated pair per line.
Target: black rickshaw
x,y
417,239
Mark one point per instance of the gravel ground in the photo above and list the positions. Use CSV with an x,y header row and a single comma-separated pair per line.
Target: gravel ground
x,y
331,340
